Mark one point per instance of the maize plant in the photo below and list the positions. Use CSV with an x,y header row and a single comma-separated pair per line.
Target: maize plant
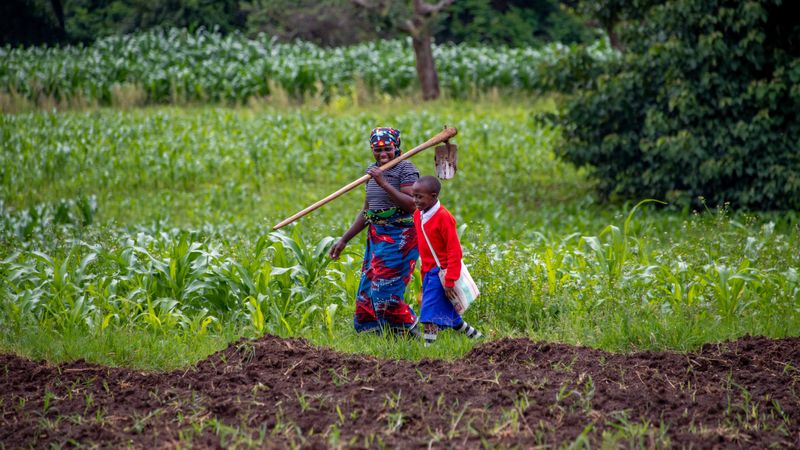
x,y
178,66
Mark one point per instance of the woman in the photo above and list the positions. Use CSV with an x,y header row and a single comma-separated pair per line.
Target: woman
x,y
391,252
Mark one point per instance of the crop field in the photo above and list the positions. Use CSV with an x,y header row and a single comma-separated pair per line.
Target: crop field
x,y
177,66
140,239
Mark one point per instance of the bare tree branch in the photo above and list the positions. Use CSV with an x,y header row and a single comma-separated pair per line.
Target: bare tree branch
x,y
365,4
426,9
409,27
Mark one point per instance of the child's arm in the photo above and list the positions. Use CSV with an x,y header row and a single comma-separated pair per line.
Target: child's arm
x,y
453,246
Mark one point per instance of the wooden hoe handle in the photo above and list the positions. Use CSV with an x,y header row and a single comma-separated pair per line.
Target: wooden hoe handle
x,y
443,136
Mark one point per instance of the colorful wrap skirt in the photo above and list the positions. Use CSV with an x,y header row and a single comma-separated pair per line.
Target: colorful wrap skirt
x,y
389,261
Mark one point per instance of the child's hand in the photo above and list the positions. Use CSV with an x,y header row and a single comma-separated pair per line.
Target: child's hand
x,y
451,295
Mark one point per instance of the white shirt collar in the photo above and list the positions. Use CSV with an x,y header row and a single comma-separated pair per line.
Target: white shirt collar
x,y
426,215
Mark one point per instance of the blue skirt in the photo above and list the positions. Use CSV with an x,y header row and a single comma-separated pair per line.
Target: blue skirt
x,y
436,307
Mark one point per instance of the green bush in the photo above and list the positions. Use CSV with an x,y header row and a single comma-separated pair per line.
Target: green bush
x,y
705,102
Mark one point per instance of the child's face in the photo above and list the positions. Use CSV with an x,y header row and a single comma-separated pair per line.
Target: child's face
x,y
423,198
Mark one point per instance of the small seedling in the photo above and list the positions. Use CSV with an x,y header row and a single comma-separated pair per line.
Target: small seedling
x,y
246,351
334,436
99,416
48,424
339,378
392,400
454,423
339,413
561,366
257,388
46,401
141,421
422,376
303,400
395,421
88,401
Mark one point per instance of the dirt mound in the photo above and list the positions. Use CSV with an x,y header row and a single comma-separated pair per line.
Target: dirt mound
x,y
279,393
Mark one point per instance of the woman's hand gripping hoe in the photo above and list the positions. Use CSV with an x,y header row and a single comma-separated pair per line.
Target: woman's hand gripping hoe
x,y
443,136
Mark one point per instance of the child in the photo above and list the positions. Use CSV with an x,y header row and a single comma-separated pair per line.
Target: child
x,y
437,311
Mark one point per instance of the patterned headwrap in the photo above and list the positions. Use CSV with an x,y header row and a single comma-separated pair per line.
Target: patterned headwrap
x,y
384,136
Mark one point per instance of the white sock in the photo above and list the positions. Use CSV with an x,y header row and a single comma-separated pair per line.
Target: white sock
x,y
471,332
430,338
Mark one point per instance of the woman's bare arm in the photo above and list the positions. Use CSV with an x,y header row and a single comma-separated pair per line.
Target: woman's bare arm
x,y
358,224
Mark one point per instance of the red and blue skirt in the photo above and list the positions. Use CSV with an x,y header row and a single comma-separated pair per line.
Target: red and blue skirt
x,y
389,261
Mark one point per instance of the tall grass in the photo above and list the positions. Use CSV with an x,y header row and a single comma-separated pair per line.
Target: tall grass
x,y
152,227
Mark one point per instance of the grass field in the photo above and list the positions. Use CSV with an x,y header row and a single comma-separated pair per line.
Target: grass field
x,y
142,237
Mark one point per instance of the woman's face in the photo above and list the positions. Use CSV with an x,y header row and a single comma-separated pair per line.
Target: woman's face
x,y
383,154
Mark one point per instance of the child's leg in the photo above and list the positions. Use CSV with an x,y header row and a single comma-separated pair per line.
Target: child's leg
x,y
415,331
431,331
471,332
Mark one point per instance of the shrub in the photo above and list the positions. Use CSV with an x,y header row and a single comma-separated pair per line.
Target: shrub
x,y
704,102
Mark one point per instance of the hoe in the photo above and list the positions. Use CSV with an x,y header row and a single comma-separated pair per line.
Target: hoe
x,y
445,169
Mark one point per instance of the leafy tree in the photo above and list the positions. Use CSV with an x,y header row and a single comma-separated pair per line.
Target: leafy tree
x,y
705,101
516,23
324,22
609,13
417,19
30,22
87,20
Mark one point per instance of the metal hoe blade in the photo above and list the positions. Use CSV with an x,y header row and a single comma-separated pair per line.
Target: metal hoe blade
x,y
446,161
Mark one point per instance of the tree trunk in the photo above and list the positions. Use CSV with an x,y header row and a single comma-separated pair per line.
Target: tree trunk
x,y
418,26
612,36
58,9
426,67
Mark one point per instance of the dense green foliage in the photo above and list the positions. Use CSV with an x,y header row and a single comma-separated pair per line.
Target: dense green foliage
x,y
87,20
151,227
327,23
518,23
178,66
704,103
36,22
323,22
341,22
29,22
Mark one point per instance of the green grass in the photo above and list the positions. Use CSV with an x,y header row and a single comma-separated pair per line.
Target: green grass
x,y
142,238
136,348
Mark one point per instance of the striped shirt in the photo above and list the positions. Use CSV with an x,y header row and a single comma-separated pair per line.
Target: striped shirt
x,y
403,174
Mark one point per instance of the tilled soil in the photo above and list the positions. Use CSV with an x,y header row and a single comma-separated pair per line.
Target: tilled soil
x,y
279,393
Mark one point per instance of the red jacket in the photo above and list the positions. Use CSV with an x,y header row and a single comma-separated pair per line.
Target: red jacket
x,y
441,230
